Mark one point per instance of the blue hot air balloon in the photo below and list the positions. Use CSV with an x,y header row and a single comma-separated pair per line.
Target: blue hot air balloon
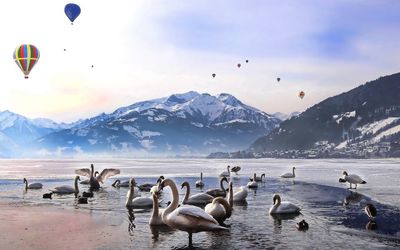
x,y
72,11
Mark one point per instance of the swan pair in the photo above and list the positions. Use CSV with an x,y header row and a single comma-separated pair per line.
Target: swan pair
x,y
101,178
190,219
352,179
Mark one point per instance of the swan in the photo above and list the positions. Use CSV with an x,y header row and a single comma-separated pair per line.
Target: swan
x,y
284,207
47,196
226,173
101,178
200,183
32,185
82,200
252,183
370,210
117,183
190,219
67,189
197,199
239,196
289,175
138,202
219,209
87,181
235,169
145,187
353,179
156,215
302,225
215,192
260,178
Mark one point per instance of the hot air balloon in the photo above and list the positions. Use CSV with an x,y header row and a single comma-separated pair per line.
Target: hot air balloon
x,y
72,11
213,75
302,94
247,61
26,56
278,79
239,65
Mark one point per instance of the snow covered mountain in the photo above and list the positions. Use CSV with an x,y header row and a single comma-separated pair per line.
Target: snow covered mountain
x,y
189,123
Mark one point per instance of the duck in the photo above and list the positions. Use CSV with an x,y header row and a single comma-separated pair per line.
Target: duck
x,y
138,202
289,175
252,183
302,225
61,190
219,209
283,207
235,169
197,199
190,219
370,210
215,192
226,173
156,215
239,196
32,185
117,183
87,181
47,196
352,179
200,183
101,178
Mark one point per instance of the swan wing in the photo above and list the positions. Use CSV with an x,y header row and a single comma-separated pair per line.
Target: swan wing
x,y
83,172
353,178
287,175
63,189
240,195
195,212
287,207
106,173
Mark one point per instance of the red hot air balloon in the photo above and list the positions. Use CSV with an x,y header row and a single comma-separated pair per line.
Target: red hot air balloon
x,y
302,94
239,65
213,75
278,79
26,56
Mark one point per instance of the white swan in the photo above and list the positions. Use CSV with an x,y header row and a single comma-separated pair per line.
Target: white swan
x,y
289,175
67,189
190,219
138,202
219,209
238,196
101,178
226,173
283,207
32,185
215,192
117,183
252,183
353,179
87,181
197,199
156,215
200,183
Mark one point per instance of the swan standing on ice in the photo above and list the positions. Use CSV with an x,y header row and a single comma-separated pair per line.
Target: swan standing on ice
x,y
156,215
252,183
219,209
238,196
200,183
190,219
138,202
67,189
32,185
283,207
197,199
215,192
101,178
352,179
289,175
226,173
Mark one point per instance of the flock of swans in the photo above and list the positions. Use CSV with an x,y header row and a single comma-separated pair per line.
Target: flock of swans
x,y
205,211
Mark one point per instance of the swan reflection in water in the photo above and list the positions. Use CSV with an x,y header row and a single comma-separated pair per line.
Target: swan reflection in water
x,y
162,229
371,225
131,219
352,198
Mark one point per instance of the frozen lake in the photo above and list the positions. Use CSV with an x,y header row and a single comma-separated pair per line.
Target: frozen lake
x,y
316,190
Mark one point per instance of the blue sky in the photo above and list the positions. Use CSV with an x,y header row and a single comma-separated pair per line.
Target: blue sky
x,y
148,49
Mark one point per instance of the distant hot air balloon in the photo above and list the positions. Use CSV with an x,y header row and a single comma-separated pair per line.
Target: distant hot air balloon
x,y
26,56
278,79
302,94
213,75
247,61
239,65
72,11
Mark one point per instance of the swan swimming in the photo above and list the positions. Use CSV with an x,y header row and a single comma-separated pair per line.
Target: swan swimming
x,y
32,185
239,196
197,199
260,178
67,189
156,215
138,202
352,179
283,207
289,175
252,183
219,209
117,183
101,178
215,192
200,183
190,219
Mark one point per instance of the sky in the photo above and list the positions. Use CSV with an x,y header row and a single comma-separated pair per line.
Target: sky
x,y
148,49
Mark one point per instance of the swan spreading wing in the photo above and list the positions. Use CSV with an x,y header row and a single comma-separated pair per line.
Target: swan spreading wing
x,y
106,173
195,212
83,172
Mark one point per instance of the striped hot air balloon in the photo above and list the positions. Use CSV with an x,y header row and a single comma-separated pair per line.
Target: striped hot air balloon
x,y
26,56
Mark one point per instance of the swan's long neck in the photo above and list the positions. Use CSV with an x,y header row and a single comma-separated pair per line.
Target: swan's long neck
x,y
224,203
277,203
187,193
230,200
293,172
154,215
229,169
76,185
262,176
115,183
92,171
131,191
175,198
26,183
201,176
221,183
254,177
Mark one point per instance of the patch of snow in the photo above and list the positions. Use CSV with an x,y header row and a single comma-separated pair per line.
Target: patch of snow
x,y
82,132
341,145
132,130
345,115
391,131
375,126
160,118
197,124
233,121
